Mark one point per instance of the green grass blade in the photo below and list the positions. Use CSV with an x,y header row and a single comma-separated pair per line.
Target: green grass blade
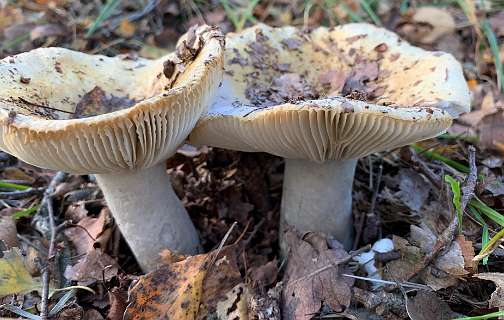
x,y
457,198
490,246
367,7
25,213
494,47
105,13
485,237
230,13
436,156
487,211
486,316
354,17
10,185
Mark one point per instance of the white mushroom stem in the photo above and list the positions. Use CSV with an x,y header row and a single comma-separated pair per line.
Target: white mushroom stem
x,y
318,197
149,214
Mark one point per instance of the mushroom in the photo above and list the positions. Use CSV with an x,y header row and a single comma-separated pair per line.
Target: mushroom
x,y
321,100
119,118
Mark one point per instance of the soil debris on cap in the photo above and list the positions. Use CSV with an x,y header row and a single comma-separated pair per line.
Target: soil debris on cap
x,y
289,87
24,80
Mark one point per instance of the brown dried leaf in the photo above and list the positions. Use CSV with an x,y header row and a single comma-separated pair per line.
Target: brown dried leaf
x,y
491,130
46,30
98,101
264,275
292,87
413,189
118,303
306,288
95,266
467,249
8,231
497,297
357,84
334,80
438,19
82,240
426,305
219,280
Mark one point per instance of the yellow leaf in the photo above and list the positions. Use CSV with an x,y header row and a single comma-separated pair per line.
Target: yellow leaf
x,y
172,291
14,277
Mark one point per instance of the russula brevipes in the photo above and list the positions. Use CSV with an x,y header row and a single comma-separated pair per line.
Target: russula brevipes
x,y
324,98
119,118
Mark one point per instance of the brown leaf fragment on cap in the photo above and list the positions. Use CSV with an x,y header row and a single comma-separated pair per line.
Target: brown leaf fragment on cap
x,y
334,80
97,101
382,47
291,43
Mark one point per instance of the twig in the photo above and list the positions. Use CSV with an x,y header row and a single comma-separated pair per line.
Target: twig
x,y
21,194
401,284
371,213
331,265
470,182
446,237
48,201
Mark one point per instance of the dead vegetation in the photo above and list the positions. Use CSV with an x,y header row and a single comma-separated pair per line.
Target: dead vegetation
x,y
428,224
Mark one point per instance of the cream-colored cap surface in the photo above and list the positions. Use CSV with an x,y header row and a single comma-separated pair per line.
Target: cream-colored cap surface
x,y
80,113
410,94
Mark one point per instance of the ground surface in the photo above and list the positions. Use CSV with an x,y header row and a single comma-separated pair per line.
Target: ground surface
x,y
410,196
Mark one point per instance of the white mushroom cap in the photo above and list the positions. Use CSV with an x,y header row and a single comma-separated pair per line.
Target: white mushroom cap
x,y
420,93
149,106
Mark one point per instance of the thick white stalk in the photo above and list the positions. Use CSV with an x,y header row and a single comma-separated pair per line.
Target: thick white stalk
x,y
318,197
149,214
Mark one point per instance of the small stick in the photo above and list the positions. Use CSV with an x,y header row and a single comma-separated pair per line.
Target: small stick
x,y
448,234
331,265
48,201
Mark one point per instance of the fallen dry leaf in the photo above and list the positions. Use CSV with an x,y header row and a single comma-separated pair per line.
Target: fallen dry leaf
x,y
306,288
222,277
497,297
14,277
82,240
46,30
413,189
422,239
118,303
92,314
95,266
187,289
264,275
333,80
468,253
172,290
439,19
8,231
234,306
426,305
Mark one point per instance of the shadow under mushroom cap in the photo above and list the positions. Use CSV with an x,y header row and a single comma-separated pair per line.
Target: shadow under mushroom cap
x,y
283,91
81,113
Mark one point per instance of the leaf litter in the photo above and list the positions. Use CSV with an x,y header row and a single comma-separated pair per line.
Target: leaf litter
x,y
219,187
